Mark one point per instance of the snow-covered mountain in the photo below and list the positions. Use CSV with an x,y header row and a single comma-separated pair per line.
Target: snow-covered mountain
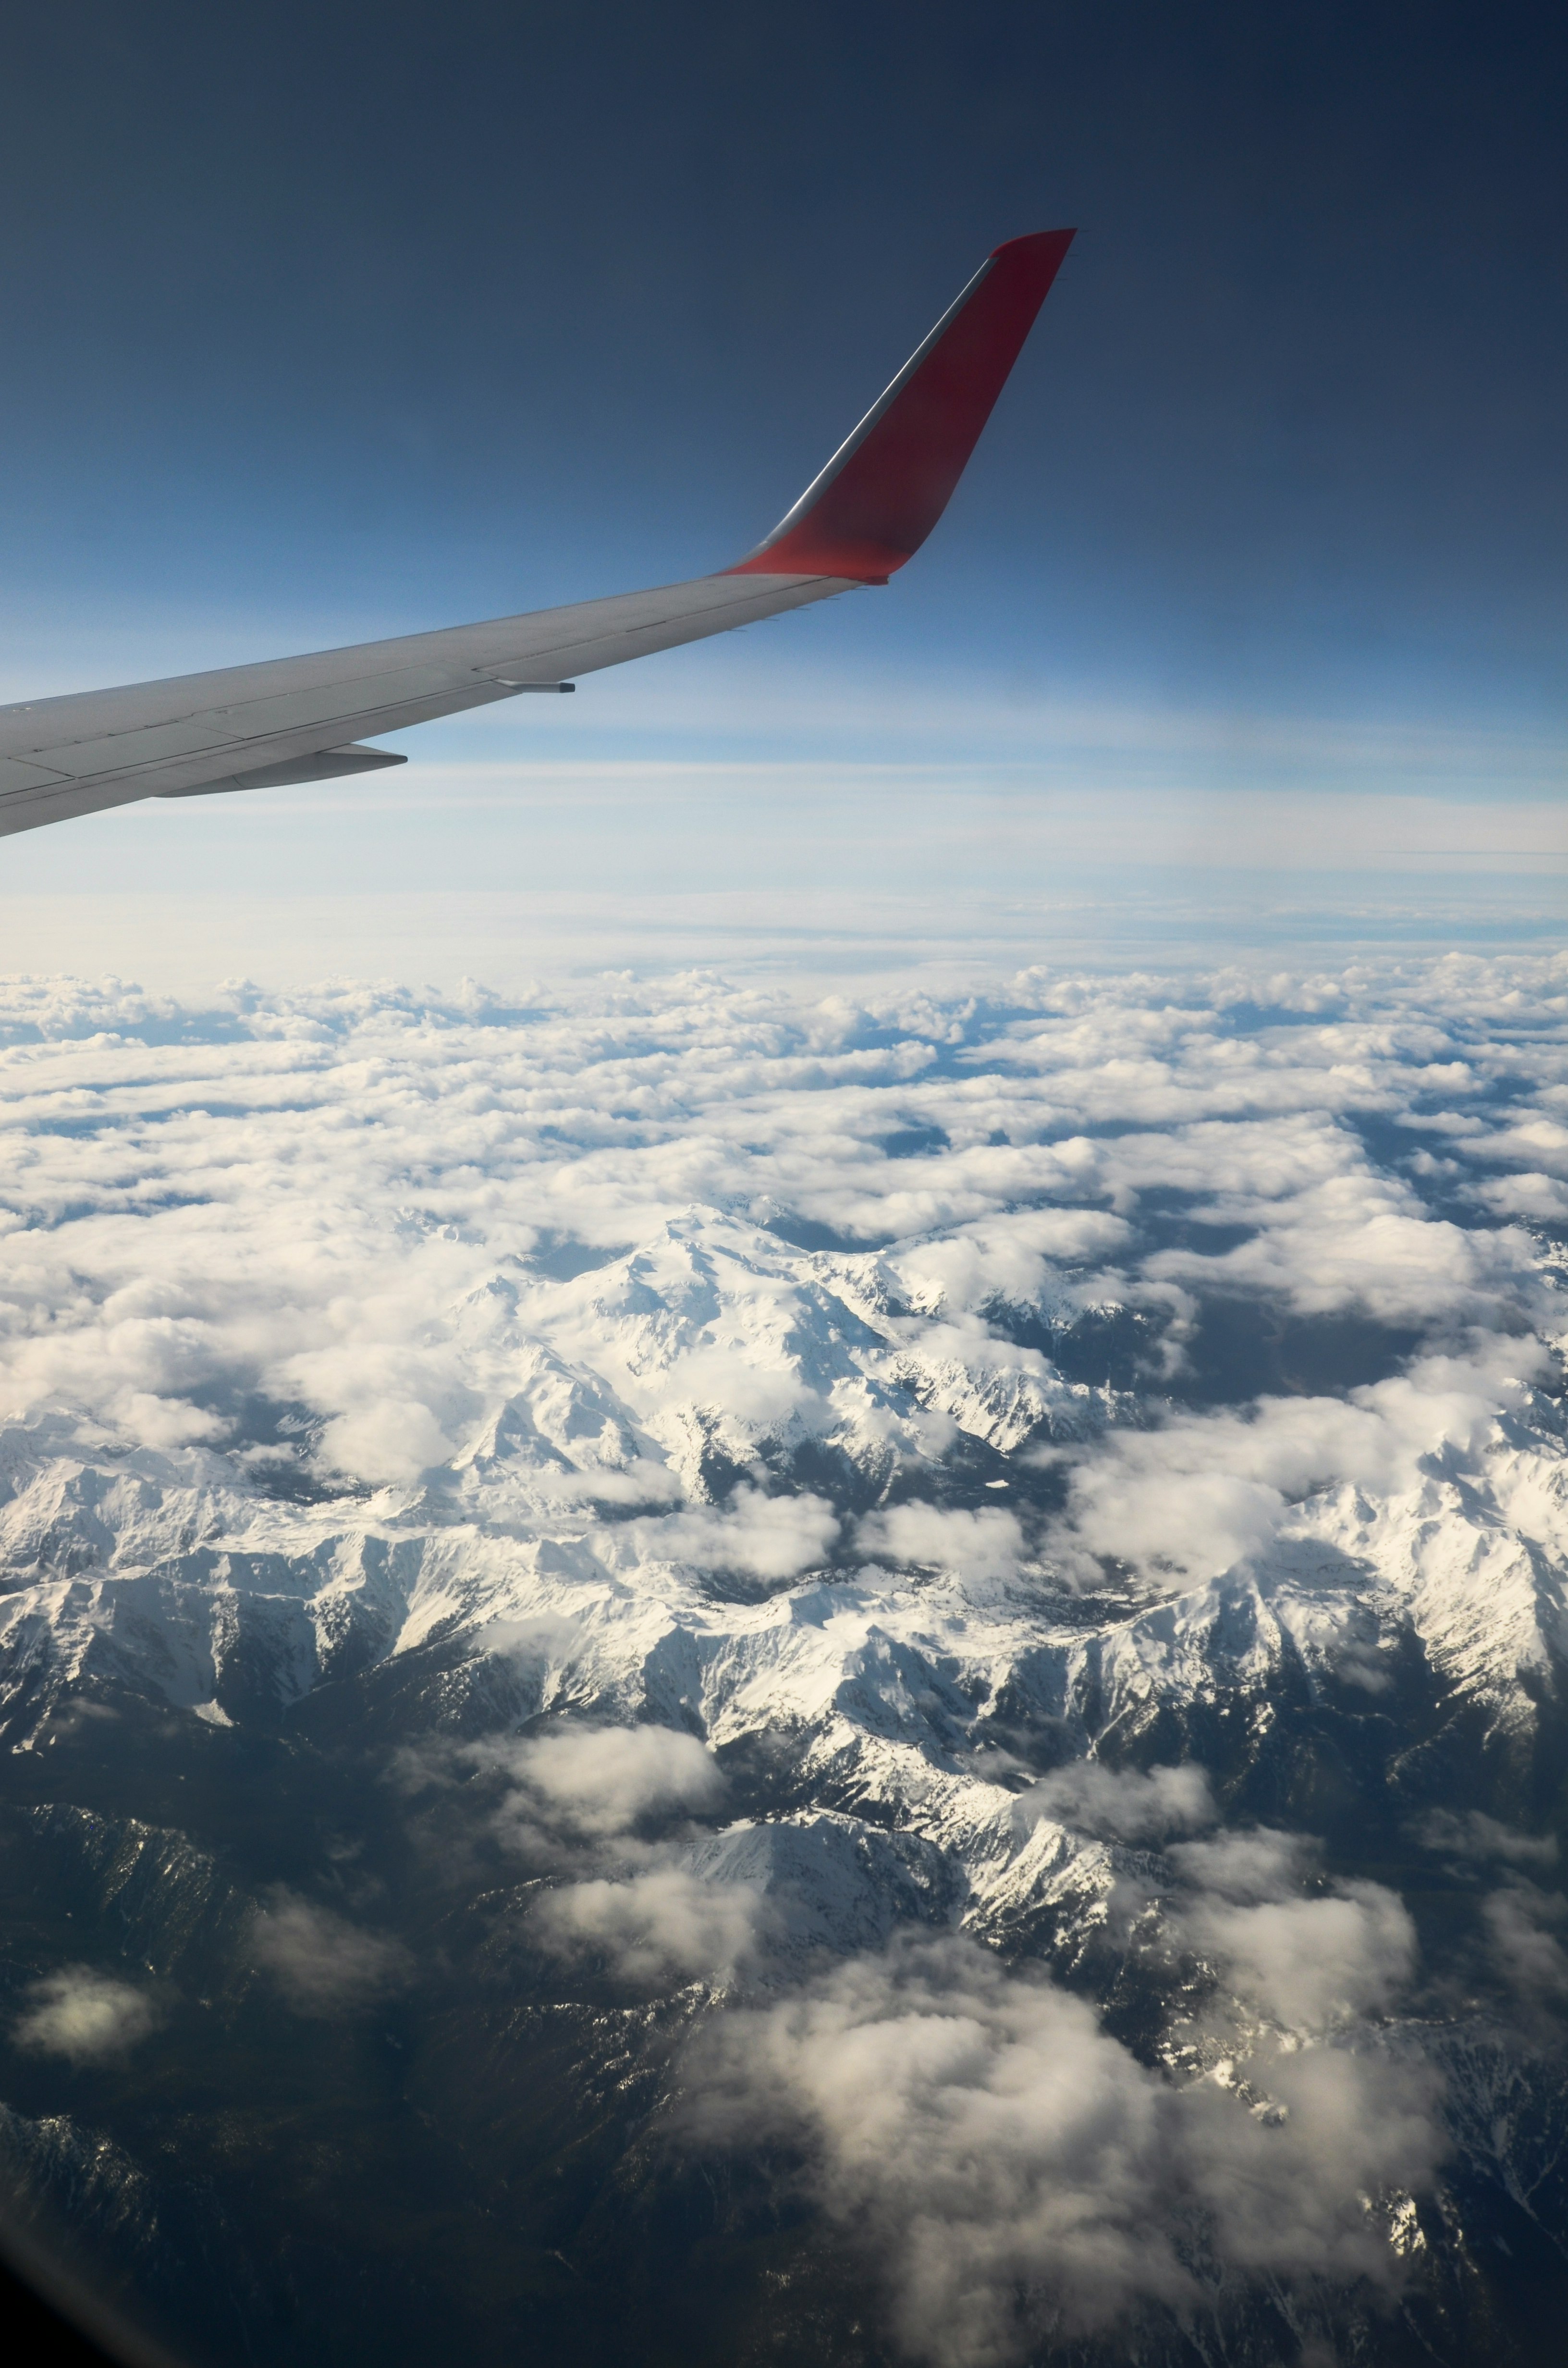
x,y
793,1542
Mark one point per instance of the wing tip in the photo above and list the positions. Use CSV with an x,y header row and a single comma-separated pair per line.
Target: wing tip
x,y
1060,239
872,507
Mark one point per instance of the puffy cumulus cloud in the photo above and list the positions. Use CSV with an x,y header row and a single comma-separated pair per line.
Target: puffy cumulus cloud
x,y
323,1963
1242,1867
729,1377
763,1537
371,1210
1195,1493
290,1196
1522,1924
1019,1258
1534,1141
594,1806
1016,2172
1292,2190
1543,1198
1122,1804
976,2128
660,1924
1143,1506
388,1439
583,1784
155,1421
1309,1963
86,2016
1362,1240
985,1545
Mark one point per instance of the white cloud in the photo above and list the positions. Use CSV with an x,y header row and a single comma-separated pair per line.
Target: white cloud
x,y
591,1784
1471,1834
84,2015
985,1544
299,1207
977,2126
1017,1257
1290,2182
765,1537
391,1438
551,1280
1529,1195
661,1924
1015,2171
1255,1862
323,1963
1311,1962
1122,1804
1201,1491
1519,1919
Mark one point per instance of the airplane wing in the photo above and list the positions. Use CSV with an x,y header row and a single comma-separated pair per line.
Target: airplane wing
x,y
289,720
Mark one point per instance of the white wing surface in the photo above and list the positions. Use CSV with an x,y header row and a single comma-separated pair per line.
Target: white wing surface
x,y
289,720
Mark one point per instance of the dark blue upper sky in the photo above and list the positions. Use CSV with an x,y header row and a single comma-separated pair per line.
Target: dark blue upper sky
x,y
374,316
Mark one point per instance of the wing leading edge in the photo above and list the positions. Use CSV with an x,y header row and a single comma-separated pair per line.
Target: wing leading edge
x,y
292,720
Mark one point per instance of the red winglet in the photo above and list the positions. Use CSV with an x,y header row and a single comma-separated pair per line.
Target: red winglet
x,y
883,492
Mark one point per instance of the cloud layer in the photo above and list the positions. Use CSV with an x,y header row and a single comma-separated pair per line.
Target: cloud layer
x,y
1011,2165
853,1495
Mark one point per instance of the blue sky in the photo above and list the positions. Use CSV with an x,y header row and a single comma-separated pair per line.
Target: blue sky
x,y
327,322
